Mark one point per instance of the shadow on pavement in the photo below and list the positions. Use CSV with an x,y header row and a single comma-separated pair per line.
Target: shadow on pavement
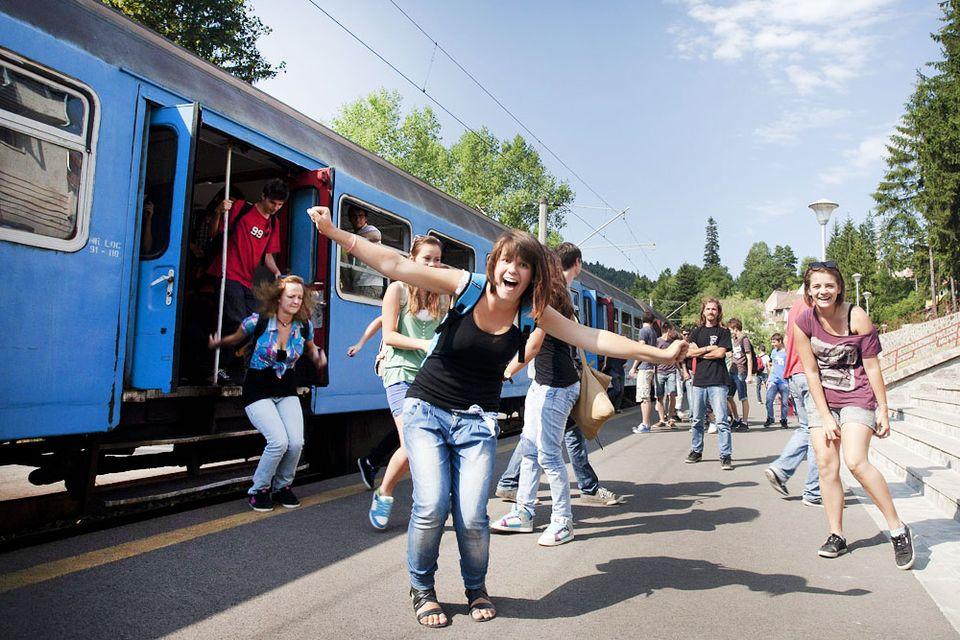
x,y
695,520
647,498
627,578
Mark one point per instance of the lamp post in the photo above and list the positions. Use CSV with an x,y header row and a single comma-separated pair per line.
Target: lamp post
x,y
823,208
866,296
856,280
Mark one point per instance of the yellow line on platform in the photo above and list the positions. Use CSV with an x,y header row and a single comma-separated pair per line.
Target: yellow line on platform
x,y
100,557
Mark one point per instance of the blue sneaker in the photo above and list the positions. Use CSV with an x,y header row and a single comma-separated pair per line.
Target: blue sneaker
x,y
641,428
380,510
518,520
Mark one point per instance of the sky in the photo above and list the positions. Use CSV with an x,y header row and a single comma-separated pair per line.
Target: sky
x,y
743,110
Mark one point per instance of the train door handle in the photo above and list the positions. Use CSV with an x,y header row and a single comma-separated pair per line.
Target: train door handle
x,y
168,278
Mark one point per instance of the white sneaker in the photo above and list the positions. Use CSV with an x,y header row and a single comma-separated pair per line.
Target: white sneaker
x,y
518,520
603,496
712,428
556,534
641,428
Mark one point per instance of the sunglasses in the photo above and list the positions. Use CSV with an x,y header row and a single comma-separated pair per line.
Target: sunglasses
x,y
829,264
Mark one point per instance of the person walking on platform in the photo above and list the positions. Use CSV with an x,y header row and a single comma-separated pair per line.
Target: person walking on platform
x,y
777,382
666,381
763,372
645,373
839,348
798,448
741,372
571,261
552,394
710,342
450,414
277,337
410,316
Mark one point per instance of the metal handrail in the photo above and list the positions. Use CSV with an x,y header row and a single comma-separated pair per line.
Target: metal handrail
x,y
943,338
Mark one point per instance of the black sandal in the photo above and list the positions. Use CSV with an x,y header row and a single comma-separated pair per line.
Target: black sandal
x,y
422,598
479,594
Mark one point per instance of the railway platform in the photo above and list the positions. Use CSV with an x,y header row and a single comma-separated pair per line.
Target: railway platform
x,y
693,552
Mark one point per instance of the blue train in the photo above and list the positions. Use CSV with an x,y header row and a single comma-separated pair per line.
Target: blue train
x,y
104,314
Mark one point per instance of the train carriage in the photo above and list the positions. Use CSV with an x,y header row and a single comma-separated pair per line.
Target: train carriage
x,y
105,314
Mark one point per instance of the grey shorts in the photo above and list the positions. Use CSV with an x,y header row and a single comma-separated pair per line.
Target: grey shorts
x,y
645,379
843,415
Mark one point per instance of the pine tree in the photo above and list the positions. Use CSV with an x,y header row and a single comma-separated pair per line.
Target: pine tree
x,y
711,250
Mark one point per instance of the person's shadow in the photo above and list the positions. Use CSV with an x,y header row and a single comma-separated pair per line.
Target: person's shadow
x,y
627,578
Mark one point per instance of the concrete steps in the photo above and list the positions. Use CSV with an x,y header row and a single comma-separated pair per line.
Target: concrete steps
x,y
923,449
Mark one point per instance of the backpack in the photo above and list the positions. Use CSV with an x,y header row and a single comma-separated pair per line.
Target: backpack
x,y
468,299
758,365
215,244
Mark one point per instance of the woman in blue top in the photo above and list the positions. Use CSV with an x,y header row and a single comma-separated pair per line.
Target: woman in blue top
x,y
450,414
270,386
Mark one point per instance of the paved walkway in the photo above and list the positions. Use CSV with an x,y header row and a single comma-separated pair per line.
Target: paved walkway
x,y
695,552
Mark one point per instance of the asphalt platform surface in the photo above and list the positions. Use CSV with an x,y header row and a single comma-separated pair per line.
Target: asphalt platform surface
x,y
695,552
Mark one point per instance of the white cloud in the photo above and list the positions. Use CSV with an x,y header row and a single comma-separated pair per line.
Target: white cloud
x,y
792,123
860,161
777,208
826,41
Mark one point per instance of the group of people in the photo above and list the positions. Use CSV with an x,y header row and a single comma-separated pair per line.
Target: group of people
x,y
452,338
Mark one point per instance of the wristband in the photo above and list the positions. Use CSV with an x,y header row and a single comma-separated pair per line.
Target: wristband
x,y
353,244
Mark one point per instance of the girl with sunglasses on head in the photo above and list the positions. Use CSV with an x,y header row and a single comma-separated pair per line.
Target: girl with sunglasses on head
x,y
450,414
839,348
410,318
281,333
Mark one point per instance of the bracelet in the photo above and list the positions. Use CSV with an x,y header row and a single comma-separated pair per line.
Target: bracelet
x,y
353,244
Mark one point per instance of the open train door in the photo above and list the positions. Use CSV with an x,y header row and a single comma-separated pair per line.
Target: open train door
x,y
310,254
590,319
167,170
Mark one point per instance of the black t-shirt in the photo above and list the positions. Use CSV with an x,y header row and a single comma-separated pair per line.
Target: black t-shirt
x,y
466,367
711,372
264,383
554,364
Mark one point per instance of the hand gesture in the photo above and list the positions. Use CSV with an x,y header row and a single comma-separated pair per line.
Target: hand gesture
x,y
321,218
831,429
225,206
883,424
676,351
353,349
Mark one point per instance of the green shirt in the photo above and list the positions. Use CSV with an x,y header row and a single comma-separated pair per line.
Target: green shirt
x,y
402,365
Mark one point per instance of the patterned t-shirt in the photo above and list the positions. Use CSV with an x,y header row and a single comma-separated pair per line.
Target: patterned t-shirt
x,y
840,360
265,354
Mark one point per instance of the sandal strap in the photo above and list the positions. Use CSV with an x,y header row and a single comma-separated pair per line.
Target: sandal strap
x,y
476,594
423,597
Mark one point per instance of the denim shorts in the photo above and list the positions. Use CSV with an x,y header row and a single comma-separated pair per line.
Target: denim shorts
x,y
666,384
843,415
396,393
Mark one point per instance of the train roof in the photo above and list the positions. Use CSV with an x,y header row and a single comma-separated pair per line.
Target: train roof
x,y
124,43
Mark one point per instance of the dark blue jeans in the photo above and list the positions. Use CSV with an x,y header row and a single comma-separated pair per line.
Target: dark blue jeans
x,y
576,446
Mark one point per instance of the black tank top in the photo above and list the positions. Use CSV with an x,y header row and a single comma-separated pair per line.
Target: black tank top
x,y
554,365
466,367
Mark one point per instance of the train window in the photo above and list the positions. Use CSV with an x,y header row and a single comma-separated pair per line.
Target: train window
x,y
616,320
158,192
626,325
576,304
46,157
456,254
637,324
356,278
587,315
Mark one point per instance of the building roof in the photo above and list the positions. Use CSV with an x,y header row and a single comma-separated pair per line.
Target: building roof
x,y
779,300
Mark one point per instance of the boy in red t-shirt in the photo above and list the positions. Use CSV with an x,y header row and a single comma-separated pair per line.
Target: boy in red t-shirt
x,y
253,237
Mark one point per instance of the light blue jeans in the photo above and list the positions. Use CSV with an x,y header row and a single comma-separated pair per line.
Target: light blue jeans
x,y
545,415
717,397
799,447
587,479
280,420
451,457
782,388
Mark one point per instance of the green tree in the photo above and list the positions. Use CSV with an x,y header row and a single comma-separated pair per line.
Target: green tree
x,y
711,249
223,32
786,261
716,281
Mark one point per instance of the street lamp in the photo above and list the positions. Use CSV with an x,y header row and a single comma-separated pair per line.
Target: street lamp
x,y
823,208
866,295
856,280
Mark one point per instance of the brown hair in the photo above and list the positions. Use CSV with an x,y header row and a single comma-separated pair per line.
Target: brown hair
x,y
559,294
269,294
703,305
734,323
520,244
833,271
421,298
776,336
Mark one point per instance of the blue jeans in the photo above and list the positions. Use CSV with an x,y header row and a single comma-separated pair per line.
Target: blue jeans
x,y
799,447
451,457
280,420
761,380
717,397
782,388
587,479
545,416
